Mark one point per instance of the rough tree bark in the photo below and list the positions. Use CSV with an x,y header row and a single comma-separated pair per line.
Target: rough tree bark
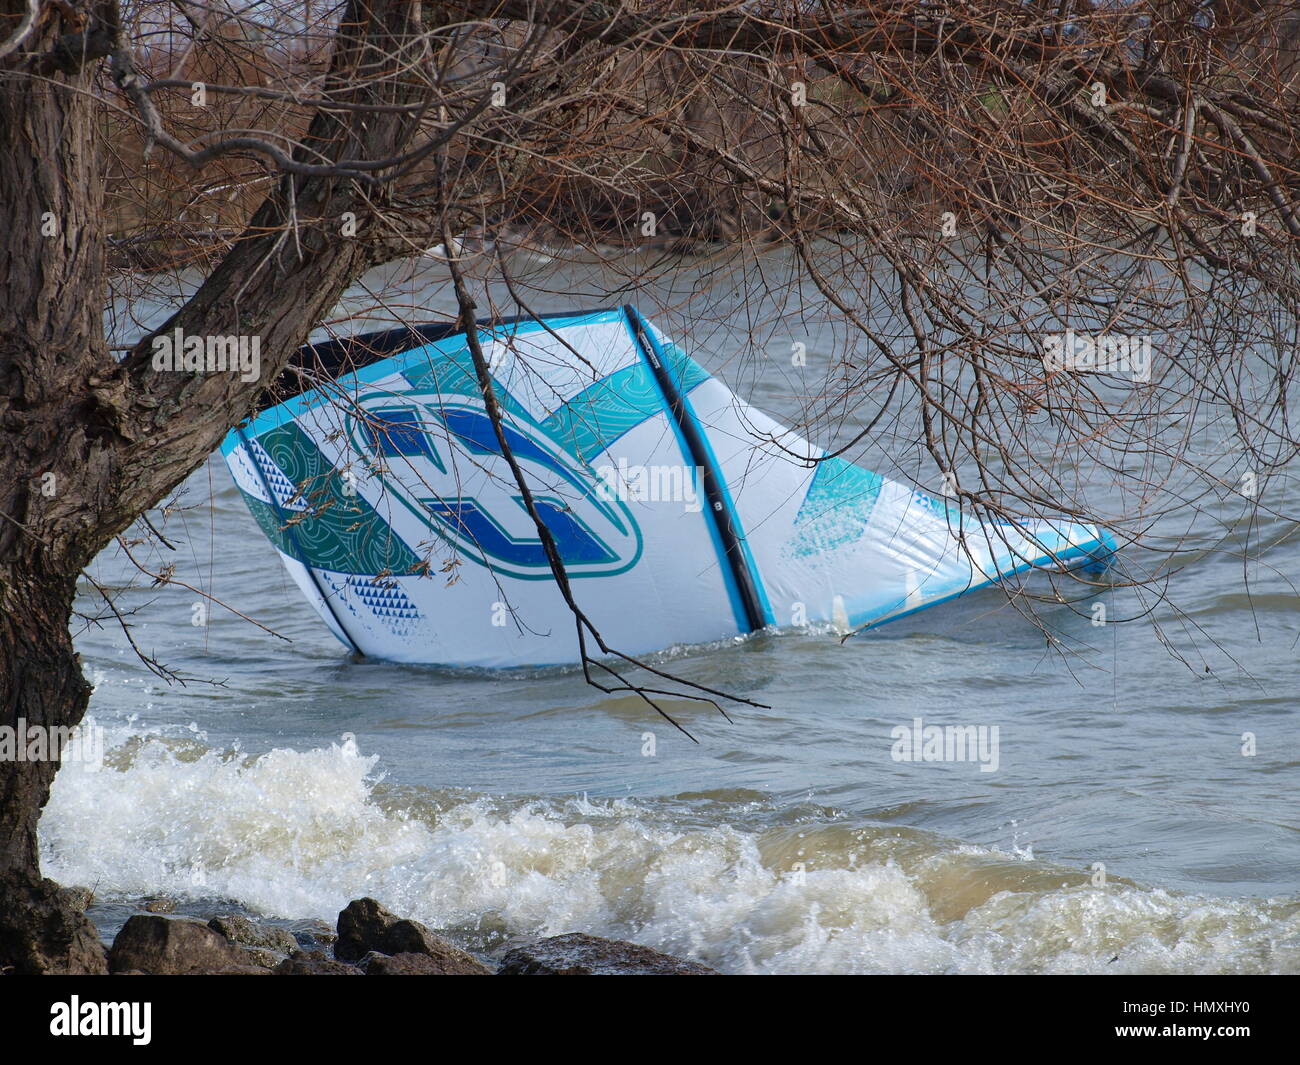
x,y
51,336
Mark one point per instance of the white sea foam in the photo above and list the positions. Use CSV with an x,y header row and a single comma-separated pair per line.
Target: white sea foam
x,y
300,833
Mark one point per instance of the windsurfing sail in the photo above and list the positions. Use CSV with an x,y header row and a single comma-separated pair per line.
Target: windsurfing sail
x,y
682,514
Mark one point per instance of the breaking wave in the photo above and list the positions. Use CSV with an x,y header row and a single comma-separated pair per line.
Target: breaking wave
x,y
297,834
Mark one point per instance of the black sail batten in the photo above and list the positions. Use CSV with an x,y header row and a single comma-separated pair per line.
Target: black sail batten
x,y
719,512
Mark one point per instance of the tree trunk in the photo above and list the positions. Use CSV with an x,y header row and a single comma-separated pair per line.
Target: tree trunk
x,y
88,443
40,686
52,445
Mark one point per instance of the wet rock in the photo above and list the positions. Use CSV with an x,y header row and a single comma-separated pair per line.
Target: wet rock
x,y
365,926
313,963
264,959
42,932
578,954
242,931
406,965
157,904
313,934
171,946
364,963
77,897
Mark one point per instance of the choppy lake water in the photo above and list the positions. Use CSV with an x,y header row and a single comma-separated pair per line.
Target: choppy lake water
x,y
788,840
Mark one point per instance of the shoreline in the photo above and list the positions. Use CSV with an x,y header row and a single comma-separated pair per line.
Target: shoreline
x,y
161,937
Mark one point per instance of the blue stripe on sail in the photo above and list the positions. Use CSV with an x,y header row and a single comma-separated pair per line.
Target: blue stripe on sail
x,y
1086,556
573,540
671,365
415,357
591,421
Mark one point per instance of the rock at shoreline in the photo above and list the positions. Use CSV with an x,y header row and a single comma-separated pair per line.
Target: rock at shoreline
x,y
157,904
43,931
77,897
371,941
578,954
365,926
261,938
404,965
170,946
312,934
313,963
364,963
265,959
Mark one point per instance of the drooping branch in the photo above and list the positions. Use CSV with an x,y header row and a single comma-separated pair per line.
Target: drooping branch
x,y
584,627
